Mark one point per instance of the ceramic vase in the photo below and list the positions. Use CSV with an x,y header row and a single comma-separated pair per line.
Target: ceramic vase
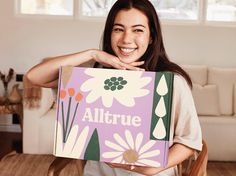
x,y
15,95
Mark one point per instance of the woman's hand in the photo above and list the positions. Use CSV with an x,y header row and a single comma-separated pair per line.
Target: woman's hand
x,y
120,166
49,68
109,60
138,169
177,154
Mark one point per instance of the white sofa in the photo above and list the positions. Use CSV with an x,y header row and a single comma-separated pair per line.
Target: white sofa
x,y
38,125
214,92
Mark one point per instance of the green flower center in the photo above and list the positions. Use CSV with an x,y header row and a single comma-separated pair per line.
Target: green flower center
x,y
114,83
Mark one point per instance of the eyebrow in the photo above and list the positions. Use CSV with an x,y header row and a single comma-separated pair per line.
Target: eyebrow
x,y
137,25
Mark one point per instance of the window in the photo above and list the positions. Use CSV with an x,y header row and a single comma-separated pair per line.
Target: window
x,y
168,10
96,8
221,10
46,7
177,9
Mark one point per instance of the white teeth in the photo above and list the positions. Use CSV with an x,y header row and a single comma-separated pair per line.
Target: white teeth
x,y
127,50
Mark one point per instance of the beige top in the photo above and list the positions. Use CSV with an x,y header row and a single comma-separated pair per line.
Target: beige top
x,y
184,129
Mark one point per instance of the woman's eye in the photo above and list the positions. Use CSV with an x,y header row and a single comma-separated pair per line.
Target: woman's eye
x,y
138,30
117,29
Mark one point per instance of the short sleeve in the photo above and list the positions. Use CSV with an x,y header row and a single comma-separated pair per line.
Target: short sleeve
x,y
185,125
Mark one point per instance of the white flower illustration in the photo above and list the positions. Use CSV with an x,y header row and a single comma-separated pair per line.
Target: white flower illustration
x,y
74,145
112,84
131,151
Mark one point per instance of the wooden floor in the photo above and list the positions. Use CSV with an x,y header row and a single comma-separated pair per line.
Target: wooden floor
x,y
13,141
221,169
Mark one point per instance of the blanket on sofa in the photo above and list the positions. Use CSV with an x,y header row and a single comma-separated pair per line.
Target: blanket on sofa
x,y
32,94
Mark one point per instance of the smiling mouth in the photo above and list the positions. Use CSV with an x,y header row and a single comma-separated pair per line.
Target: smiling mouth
x,y
126,51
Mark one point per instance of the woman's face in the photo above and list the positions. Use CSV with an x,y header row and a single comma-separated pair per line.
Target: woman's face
x,y
130,35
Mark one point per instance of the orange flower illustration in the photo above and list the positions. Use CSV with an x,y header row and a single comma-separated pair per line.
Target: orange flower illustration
x,y
71,91
67,122
78,97
62,94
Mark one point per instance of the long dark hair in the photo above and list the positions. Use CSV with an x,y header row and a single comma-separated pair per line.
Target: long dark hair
x,y
155,56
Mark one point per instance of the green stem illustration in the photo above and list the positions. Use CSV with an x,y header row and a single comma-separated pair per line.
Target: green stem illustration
x,y
67,118
72,120
63,121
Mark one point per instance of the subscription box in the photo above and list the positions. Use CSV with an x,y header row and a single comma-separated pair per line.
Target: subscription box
x,y
116,116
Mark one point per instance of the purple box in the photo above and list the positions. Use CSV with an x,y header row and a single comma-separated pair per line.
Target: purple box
x,y
116,116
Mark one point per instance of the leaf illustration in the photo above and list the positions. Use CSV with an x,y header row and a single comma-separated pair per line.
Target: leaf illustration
x,y
93,150
162,88
161,108
66,73
159,131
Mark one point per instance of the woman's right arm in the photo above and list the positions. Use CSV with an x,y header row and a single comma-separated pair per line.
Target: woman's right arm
x,y
45,74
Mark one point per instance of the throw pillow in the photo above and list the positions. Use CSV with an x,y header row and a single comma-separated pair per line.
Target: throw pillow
x,y
225,79
206,99
197,73
234,99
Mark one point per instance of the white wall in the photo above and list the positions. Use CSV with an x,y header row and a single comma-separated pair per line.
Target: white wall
x,y
25,41
199,44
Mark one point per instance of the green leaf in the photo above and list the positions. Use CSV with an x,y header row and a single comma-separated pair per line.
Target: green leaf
x,y
93,150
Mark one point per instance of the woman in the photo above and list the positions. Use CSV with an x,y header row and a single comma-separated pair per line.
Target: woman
x,y
133,41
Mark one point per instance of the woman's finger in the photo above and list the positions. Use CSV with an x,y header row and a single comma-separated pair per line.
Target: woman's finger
x,y
121,166
116,63
130,67
139,63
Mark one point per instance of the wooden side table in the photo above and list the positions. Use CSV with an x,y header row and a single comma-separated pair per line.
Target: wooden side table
x,y
13,109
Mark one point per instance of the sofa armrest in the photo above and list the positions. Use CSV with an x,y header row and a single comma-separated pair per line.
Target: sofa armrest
x,y
31,121
45,103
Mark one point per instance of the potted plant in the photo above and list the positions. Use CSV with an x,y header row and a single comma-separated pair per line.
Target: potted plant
x,y
5,80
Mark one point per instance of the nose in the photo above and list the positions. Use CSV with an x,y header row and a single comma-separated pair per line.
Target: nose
x,y
127,37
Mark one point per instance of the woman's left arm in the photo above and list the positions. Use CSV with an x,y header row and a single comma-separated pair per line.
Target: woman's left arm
x,y
177,154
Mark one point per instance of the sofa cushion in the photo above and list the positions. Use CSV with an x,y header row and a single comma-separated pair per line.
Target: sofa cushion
x,y
219,133
46,129
206,99
225,79
32,120
234,99
198,73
